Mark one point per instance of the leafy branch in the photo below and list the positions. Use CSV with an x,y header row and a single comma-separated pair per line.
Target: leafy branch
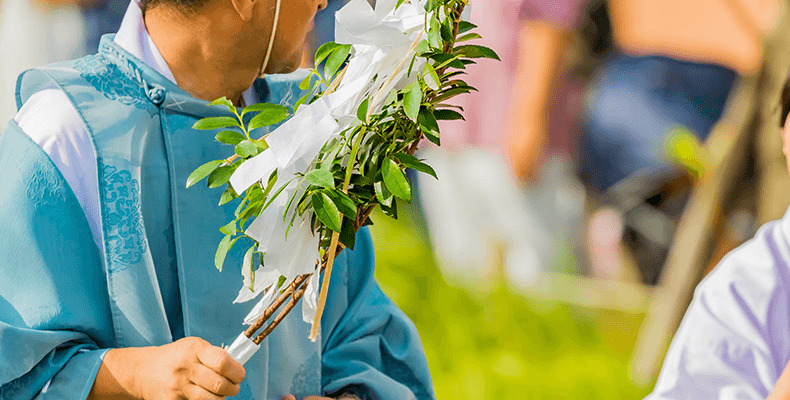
x,y
358,170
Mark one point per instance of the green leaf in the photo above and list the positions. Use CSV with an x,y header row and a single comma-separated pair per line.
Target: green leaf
x,y
230,137
469,36
447,60
448,115
321,178
415,164
277,192
391,210
324,51
362,111
258,107
395,180
422,47
431,77
382,193
431,5
207,124
476,51
429,125
220,176
465,26
434,36
392,97
246,149
447,30
225,102
228,195
450,93
260,144
337,59
348,234
326,211
202,172
344,203
229,228
222,251
302,100
305,84
412,98
270,114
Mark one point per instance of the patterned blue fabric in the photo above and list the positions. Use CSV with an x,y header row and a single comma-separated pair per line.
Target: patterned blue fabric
x,y
156,281
122,214
100,73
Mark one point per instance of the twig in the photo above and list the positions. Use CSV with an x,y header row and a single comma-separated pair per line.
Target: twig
x,y
324,286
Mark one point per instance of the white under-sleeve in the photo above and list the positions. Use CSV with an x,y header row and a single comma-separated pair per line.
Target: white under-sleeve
x,y
51,121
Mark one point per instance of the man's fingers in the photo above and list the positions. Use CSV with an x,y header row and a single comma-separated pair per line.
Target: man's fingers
x,y
288,397
193,392
222,363
213,382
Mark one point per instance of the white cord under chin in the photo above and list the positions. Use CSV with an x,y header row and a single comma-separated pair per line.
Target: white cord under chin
x,y
271,38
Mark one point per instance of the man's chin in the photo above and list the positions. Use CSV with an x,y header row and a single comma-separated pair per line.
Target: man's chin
x,y
283,67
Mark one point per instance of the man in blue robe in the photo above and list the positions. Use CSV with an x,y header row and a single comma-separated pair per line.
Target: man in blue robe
x,y
107,283
734,341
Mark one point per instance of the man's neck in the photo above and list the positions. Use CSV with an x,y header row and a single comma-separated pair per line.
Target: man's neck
x,y
202,50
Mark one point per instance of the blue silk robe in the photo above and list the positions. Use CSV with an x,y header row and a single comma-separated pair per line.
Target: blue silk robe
x,y
63,302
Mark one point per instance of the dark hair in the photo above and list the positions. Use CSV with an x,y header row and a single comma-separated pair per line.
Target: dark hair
x,y
183,5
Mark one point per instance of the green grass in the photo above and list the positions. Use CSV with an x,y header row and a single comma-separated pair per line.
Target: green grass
x,y
496,344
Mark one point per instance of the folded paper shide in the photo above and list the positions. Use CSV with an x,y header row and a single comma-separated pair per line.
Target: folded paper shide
x,y
305,187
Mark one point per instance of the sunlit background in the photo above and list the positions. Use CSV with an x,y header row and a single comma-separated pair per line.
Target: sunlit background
x,y
617,152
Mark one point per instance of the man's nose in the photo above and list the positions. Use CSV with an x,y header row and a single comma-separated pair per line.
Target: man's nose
x,y
322,4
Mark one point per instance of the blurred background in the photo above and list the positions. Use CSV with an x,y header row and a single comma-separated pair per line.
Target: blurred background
x,y
611,159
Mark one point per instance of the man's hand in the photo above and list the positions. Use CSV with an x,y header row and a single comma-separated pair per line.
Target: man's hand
x,y
782,388
190,368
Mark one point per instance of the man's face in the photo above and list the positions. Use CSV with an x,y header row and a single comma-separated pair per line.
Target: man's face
x,y
295,22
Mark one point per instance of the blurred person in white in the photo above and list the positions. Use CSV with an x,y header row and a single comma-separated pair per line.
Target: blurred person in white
x,y
476,212
734,341
36,32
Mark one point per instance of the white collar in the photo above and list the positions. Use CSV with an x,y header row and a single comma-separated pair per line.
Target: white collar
x,y
133,37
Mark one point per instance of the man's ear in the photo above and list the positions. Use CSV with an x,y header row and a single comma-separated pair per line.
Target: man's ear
x,y
245,8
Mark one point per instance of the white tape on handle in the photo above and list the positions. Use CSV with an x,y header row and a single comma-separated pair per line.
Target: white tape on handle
x,y
242,349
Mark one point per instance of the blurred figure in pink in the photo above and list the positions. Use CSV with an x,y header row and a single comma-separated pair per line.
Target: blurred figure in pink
x,y
477,214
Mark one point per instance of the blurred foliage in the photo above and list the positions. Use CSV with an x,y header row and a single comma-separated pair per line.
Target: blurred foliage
x,y
493,343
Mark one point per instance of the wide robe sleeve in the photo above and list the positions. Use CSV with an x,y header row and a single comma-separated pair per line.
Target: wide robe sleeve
x,y
370,347
54,308
734,340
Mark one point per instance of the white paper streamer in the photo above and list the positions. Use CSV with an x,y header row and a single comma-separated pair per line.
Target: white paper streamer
x,y
310,298
259,308
242,349
253,170
264,277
